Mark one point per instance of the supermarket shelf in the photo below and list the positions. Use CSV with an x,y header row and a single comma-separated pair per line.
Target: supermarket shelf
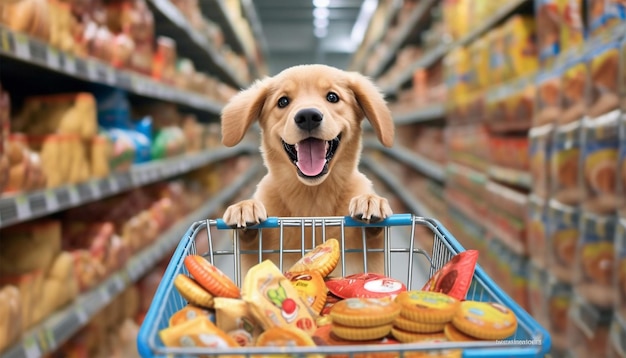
x,y
413,204
471,174
430,113
414,160
437,53
510,176
411,24
55,330
191,44
25,49
23,207
257,31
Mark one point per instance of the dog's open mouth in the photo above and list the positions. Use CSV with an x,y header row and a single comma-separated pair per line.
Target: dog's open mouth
x,y
312,155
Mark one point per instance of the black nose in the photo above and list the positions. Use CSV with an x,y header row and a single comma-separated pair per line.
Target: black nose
x,y
308,118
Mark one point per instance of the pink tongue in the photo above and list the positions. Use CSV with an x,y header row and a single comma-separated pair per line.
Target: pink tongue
x,y
311,156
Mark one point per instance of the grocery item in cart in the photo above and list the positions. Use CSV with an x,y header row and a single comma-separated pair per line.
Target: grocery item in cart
x,y
188,313
365,285
197,332
211,277
311,288
323,259
595,255
485,320
191,291
599,163
455,277
363,319
233,316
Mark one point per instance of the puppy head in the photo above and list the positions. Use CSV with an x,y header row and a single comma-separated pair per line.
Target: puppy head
x,y
311,117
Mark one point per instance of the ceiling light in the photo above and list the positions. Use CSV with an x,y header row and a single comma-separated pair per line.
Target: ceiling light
x,y
320,32
321,3
320,22
321,13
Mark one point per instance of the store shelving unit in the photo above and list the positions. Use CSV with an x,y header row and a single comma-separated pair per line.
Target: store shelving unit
x,y
27,206
190,43
425,114
510,176
423,165
58,328
32,52
438,52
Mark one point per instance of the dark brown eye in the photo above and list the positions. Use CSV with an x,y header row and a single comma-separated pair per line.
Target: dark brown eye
x,y
332,97
283,102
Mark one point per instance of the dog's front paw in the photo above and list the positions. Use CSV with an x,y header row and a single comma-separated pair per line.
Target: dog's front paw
x,y
245,213
369,208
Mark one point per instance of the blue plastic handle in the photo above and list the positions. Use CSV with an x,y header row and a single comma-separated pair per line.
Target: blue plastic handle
x,y
273,222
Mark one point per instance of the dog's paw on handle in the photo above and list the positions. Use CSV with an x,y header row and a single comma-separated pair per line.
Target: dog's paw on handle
x,y
369,208
245,213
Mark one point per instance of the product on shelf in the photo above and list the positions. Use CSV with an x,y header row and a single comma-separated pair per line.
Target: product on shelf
x,y
621,168
620,269
540,146
572,26
10,315
537,294
559,296
549,17
574,80
563,235
28,16
588,329
595,255
565,168
604,15
537,231
164,63
25,171
604,75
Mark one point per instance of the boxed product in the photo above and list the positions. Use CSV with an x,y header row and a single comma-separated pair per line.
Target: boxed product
x,y
588,329
620,269
572,27
565,168
540,146
549,97
548,15
537,232
600,153
595,255
558,299
604,71
562,239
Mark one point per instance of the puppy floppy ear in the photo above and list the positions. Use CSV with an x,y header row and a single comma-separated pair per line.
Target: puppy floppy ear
x,y
374,107
241,111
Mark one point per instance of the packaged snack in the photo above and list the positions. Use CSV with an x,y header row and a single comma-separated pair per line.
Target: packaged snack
x,y
197,332
604,16
558,298
188,313
311,288
549,18
549,97
210,277
588,329
563,235
410,337
323,259
617,338
365,285
540,145
192,292
455,277
599,163
273,301
427,307
593,274
604,71
485,320
572,25
620,268
520,46
565,173
500,69
537,224
233,316
574,78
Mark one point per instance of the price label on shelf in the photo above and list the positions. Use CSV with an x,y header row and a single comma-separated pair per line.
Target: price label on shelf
x,y
22,48
74,195
81,67
51,200
92,70
31,348
23,209
69,64
8,210
37,203
38,52
105,295
53,59
110,75
81,314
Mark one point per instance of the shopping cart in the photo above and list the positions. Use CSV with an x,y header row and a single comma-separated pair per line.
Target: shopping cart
x,y
530,340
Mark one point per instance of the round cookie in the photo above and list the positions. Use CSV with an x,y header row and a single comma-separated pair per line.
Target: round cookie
x,y
410,337
284,337
427,307
210,277
311,288
417,327
361,333
485,320
364,312
454,335
192,291
323,259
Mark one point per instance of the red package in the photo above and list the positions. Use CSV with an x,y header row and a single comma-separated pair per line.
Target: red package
x,y
365,285
455,277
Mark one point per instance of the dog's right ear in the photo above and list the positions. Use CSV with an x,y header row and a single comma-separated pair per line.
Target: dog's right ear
x,y
241,111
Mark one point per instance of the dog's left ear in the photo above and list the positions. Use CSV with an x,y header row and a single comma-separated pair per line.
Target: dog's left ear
x,y
374,106
241,111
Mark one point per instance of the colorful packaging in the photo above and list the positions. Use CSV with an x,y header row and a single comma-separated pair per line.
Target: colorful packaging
x,y
548,16
599,163
455,277
563,234
572,34
365,285
620,269
565,173
537,299
559,296
549,97
575,78
604,16
537,224
604,71
540,147
232,315
588,331
595,255
520,46
498,65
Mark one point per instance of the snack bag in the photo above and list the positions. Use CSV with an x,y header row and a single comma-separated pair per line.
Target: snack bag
x,y
549,97
604,70
599,163
365,285
273,300
575,78
520,46
565,166
549,18
233,316
563,234
572,34
455,277
593,274
588,328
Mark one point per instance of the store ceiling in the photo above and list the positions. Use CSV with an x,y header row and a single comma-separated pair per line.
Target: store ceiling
x,y
288,27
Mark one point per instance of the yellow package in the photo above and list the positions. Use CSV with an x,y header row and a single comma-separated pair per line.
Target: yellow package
x,y
199,332
233,316
520,46
571,29
273,300
574,81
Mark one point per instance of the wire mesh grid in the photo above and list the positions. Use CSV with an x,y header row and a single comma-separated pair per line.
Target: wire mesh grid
x,y
529,340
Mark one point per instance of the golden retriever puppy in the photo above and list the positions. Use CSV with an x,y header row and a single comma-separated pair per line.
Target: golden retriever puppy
x,y
310,118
